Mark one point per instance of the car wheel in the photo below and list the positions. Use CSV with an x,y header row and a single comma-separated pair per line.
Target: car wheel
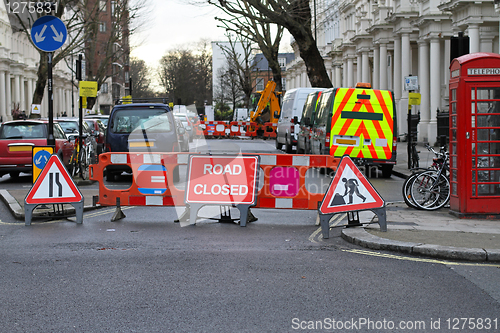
x,y
278,145
288,147
387,170
110,176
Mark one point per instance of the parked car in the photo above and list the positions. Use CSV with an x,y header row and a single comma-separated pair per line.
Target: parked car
x,y
291,112
17,138
305,124
188,125
182,134
102,117
98,130
140,127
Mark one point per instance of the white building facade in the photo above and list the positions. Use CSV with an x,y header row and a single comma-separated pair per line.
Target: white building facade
x,y
18,74
384,41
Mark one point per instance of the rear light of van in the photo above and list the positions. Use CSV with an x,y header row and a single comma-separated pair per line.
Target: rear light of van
x,y
327,140
108,148
292,129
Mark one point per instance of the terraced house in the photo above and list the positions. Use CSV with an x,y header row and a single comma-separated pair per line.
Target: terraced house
x,y
384,41
18,73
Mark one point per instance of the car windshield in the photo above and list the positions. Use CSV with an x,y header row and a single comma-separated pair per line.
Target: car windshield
x,y
22,131
69,126
104,121
153,120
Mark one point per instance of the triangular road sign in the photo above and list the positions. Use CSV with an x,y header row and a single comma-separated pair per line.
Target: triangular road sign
x,y
54,185
349,191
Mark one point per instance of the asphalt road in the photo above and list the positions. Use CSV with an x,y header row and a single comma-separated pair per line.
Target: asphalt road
x,y
145,273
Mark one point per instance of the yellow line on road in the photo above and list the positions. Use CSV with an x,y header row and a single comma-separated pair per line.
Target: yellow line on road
x,y
336,221
433,261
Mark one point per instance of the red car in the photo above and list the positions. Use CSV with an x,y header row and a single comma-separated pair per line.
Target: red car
x,y
17,138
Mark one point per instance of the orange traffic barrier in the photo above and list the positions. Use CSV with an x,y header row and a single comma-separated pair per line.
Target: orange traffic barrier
x,y
152,183
215,128
285,180
283,183
236,128
270,130
251,129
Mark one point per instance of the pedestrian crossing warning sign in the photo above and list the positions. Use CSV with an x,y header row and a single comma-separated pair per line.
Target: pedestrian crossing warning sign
x,y
53,185
349,191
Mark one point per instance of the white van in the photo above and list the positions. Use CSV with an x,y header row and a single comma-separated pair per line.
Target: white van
x,y
291,112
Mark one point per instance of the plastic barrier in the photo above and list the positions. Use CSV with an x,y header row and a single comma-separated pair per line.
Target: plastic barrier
x,y
251,129
270,130
237,128
151,185
282,183
215,128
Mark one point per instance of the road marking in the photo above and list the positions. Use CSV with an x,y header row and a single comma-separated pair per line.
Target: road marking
x,y
336,221
92,214
434,261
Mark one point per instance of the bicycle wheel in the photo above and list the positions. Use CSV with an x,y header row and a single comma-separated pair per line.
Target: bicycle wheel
x,y
73,164
430,192
406,190
85,162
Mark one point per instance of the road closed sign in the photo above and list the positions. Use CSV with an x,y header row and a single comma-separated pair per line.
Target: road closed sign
x,y
222,179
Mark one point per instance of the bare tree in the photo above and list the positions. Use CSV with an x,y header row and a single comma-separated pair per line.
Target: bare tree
x,y
240,63
267,36
295,16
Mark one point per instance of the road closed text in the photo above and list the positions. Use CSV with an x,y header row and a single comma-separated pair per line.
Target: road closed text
x,y
222,179
217,189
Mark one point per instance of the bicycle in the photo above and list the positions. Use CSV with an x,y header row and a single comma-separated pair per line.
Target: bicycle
x,y
80,160
429,189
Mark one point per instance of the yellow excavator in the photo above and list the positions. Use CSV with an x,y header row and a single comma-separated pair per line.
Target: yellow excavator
x,y
268,108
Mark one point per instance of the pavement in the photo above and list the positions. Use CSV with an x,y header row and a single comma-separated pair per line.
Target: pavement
x,y
435,234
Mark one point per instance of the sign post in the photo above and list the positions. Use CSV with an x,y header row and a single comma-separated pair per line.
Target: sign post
x,y
48,34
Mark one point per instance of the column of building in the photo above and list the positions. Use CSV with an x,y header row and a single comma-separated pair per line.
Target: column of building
x,y
423,79
376,67
434,85
3,98
397,82
383,66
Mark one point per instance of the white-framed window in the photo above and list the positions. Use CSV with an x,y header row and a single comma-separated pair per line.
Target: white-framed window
x,y
104,88
113,7
283,83
102,5
282,62
102,26
259,85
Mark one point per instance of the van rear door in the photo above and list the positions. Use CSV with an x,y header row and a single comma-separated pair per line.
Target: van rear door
x,y
362,124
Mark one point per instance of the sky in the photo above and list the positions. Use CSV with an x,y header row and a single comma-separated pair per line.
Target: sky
x,y
174,24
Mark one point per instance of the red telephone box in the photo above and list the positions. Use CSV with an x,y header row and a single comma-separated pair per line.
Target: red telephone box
x,y
475,135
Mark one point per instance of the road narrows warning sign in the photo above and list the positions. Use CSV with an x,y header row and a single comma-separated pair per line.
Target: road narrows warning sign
x,y
53,185
349,191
